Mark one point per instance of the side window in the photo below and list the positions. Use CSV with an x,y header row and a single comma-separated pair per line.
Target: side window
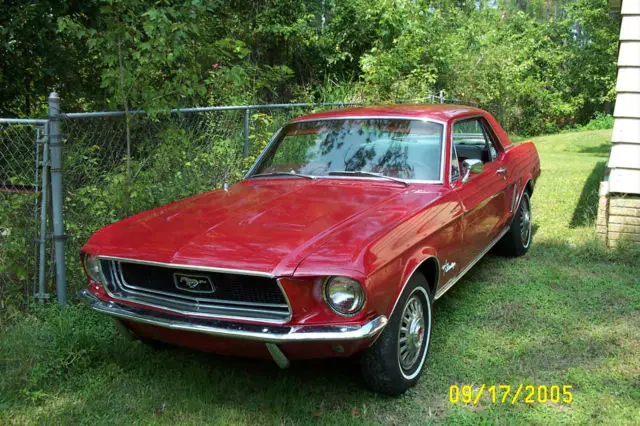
x,y
455,165
494,146
471,141
469,132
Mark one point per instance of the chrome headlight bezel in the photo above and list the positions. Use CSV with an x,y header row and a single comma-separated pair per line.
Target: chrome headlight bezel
x,y
334,286
93,268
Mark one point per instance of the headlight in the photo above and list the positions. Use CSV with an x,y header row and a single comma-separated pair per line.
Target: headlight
x,y
344,296
92,266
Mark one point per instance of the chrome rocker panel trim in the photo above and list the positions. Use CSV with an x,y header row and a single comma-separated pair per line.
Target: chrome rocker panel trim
x,y
237,330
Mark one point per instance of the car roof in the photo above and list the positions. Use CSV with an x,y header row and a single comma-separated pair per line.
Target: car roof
x,y
440,112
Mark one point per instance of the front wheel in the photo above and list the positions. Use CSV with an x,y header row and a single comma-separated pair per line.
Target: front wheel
x,y
517,240
394,362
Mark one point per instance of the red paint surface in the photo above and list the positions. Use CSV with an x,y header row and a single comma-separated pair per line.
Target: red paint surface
x,y
302,230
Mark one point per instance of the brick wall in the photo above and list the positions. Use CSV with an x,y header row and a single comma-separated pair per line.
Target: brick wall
x,y
619,219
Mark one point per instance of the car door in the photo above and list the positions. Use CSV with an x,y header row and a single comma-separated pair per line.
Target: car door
x,y
483,196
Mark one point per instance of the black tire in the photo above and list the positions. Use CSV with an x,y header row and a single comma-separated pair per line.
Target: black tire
x,y
517,240
381,365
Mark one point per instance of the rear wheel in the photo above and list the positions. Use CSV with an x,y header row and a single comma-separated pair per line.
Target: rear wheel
x,y
394,362
517,240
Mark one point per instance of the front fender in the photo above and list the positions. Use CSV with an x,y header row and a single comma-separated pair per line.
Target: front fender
x,y
388,283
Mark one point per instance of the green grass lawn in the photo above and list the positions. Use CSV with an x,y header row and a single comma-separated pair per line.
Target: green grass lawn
x,y
567,313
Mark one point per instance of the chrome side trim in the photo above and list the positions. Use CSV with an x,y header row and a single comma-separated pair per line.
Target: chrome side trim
x,y
190,267
442,290
237,330
409,277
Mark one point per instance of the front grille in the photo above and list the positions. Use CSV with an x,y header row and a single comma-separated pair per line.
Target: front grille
x,y
214,293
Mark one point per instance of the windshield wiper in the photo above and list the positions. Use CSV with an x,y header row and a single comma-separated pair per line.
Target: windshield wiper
x,y
372,174
282,174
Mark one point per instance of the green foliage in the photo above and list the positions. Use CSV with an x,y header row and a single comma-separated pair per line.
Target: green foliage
x,y
525,71
18,227
35,58
599,122
538,65
150,49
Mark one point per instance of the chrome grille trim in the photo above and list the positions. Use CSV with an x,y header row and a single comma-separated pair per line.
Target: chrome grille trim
x,y
117,287
129,287
190,267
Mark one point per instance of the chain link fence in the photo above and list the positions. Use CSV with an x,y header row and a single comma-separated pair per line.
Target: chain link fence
x,y
114,165
22,144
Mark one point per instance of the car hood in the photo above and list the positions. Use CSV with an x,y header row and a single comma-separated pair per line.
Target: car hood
x,y
267,225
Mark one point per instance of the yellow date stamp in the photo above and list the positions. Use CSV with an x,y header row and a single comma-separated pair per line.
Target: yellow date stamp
x,y
507,394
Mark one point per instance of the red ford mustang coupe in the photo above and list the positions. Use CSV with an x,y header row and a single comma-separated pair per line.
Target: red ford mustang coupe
x,y
337,242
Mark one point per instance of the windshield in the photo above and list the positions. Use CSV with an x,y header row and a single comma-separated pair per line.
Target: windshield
x,y
404,149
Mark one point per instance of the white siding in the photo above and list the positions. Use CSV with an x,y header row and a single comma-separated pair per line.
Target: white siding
x,y
626,130
628,80
625,155
629,54
624,161
625,181
631,7
630,29
627,105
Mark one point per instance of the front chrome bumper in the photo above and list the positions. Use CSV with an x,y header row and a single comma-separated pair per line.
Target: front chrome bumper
x,y
270,334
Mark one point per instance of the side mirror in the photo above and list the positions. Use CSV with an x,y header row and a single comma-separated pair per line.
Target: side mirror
x,y
471,166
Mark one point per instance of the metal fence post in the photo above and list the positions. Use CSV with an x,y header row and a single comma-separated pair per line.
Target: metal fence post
x,y
55,145
43,215
246,132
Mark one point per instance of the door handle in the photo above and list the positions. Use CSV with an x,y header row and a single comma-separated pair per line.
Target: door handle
x,y
502,171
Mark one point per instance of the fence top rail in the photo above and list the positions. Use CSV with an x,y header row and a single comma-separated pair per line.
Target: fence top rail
x,y
23,120
206,109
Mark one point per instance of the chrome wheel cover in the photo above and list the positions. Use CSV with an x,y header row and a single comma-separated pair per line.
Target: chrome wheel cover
x,y
525,221
412,333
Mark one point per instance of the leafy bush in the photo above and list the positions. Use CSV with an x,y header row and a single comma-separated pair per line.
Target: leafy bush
x,y
18,228
600,121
